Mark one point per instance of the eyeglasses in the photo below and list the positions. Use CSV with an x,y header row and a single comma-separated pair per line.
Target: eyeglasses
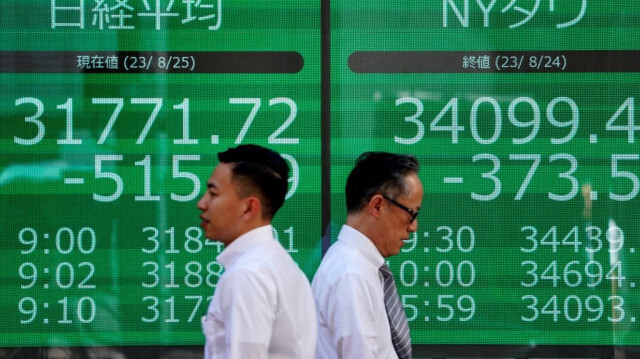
x,y
411,212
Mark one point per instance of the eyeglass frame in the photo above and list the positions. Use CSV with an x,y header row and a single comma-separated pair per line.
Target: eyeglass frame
x,y
411,212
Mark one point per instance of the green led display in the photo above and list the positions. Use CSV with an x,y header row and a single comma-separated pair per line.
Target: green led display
x,y
112,115
522,114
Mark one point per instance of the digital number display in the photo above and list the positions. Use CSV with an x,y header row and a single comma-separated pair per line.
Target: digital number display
x,y
112,115
522,114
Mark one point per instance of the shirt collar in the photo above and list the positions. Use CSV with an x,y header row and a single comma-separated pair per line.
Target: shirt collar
x,y
362,243
231,252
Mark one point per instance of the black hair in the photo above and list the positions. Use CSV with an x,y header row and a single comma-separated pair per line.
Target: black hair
x,y
259,171
378,172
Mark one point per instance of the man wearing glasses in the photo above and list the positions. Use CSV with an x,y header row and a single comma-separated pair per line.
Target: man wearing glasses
x,y
359,312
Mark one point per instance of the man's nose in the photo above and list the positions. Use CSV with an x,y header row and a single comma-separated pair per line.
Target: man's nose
x,y
202,203
413,226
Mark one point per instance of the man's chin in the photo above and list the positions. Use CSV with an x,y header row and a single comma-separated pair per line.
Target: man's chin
x,y
208,235
394,252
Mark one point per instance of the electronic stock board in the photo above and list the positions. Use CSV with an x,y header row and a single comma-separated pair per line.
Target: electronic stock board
x,y
521,112
113,113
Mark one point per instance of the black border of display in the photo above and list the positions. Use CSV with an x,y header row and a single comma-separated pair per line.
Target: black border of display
x,y
419,352
325,114
524,351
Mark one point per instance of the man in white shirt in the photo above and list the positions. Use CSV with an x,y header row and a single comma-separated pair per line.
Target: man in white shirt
x,y
352,295
262,306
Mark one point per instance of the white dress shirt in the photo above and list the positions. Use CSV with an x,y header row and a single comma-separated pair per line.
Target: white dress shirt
x,y
352,319
262,306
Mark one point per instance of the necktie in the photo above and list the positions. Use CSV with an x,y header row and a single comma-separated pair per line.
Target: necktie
x,y
397,319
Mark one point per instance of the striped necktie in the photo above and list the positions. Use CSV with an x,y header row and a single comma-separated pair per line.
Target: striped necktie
x,y
397,318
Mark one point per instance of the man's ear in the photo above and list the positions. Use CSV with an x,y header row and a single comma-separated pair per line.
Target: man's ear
x,y
375,205
253,207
